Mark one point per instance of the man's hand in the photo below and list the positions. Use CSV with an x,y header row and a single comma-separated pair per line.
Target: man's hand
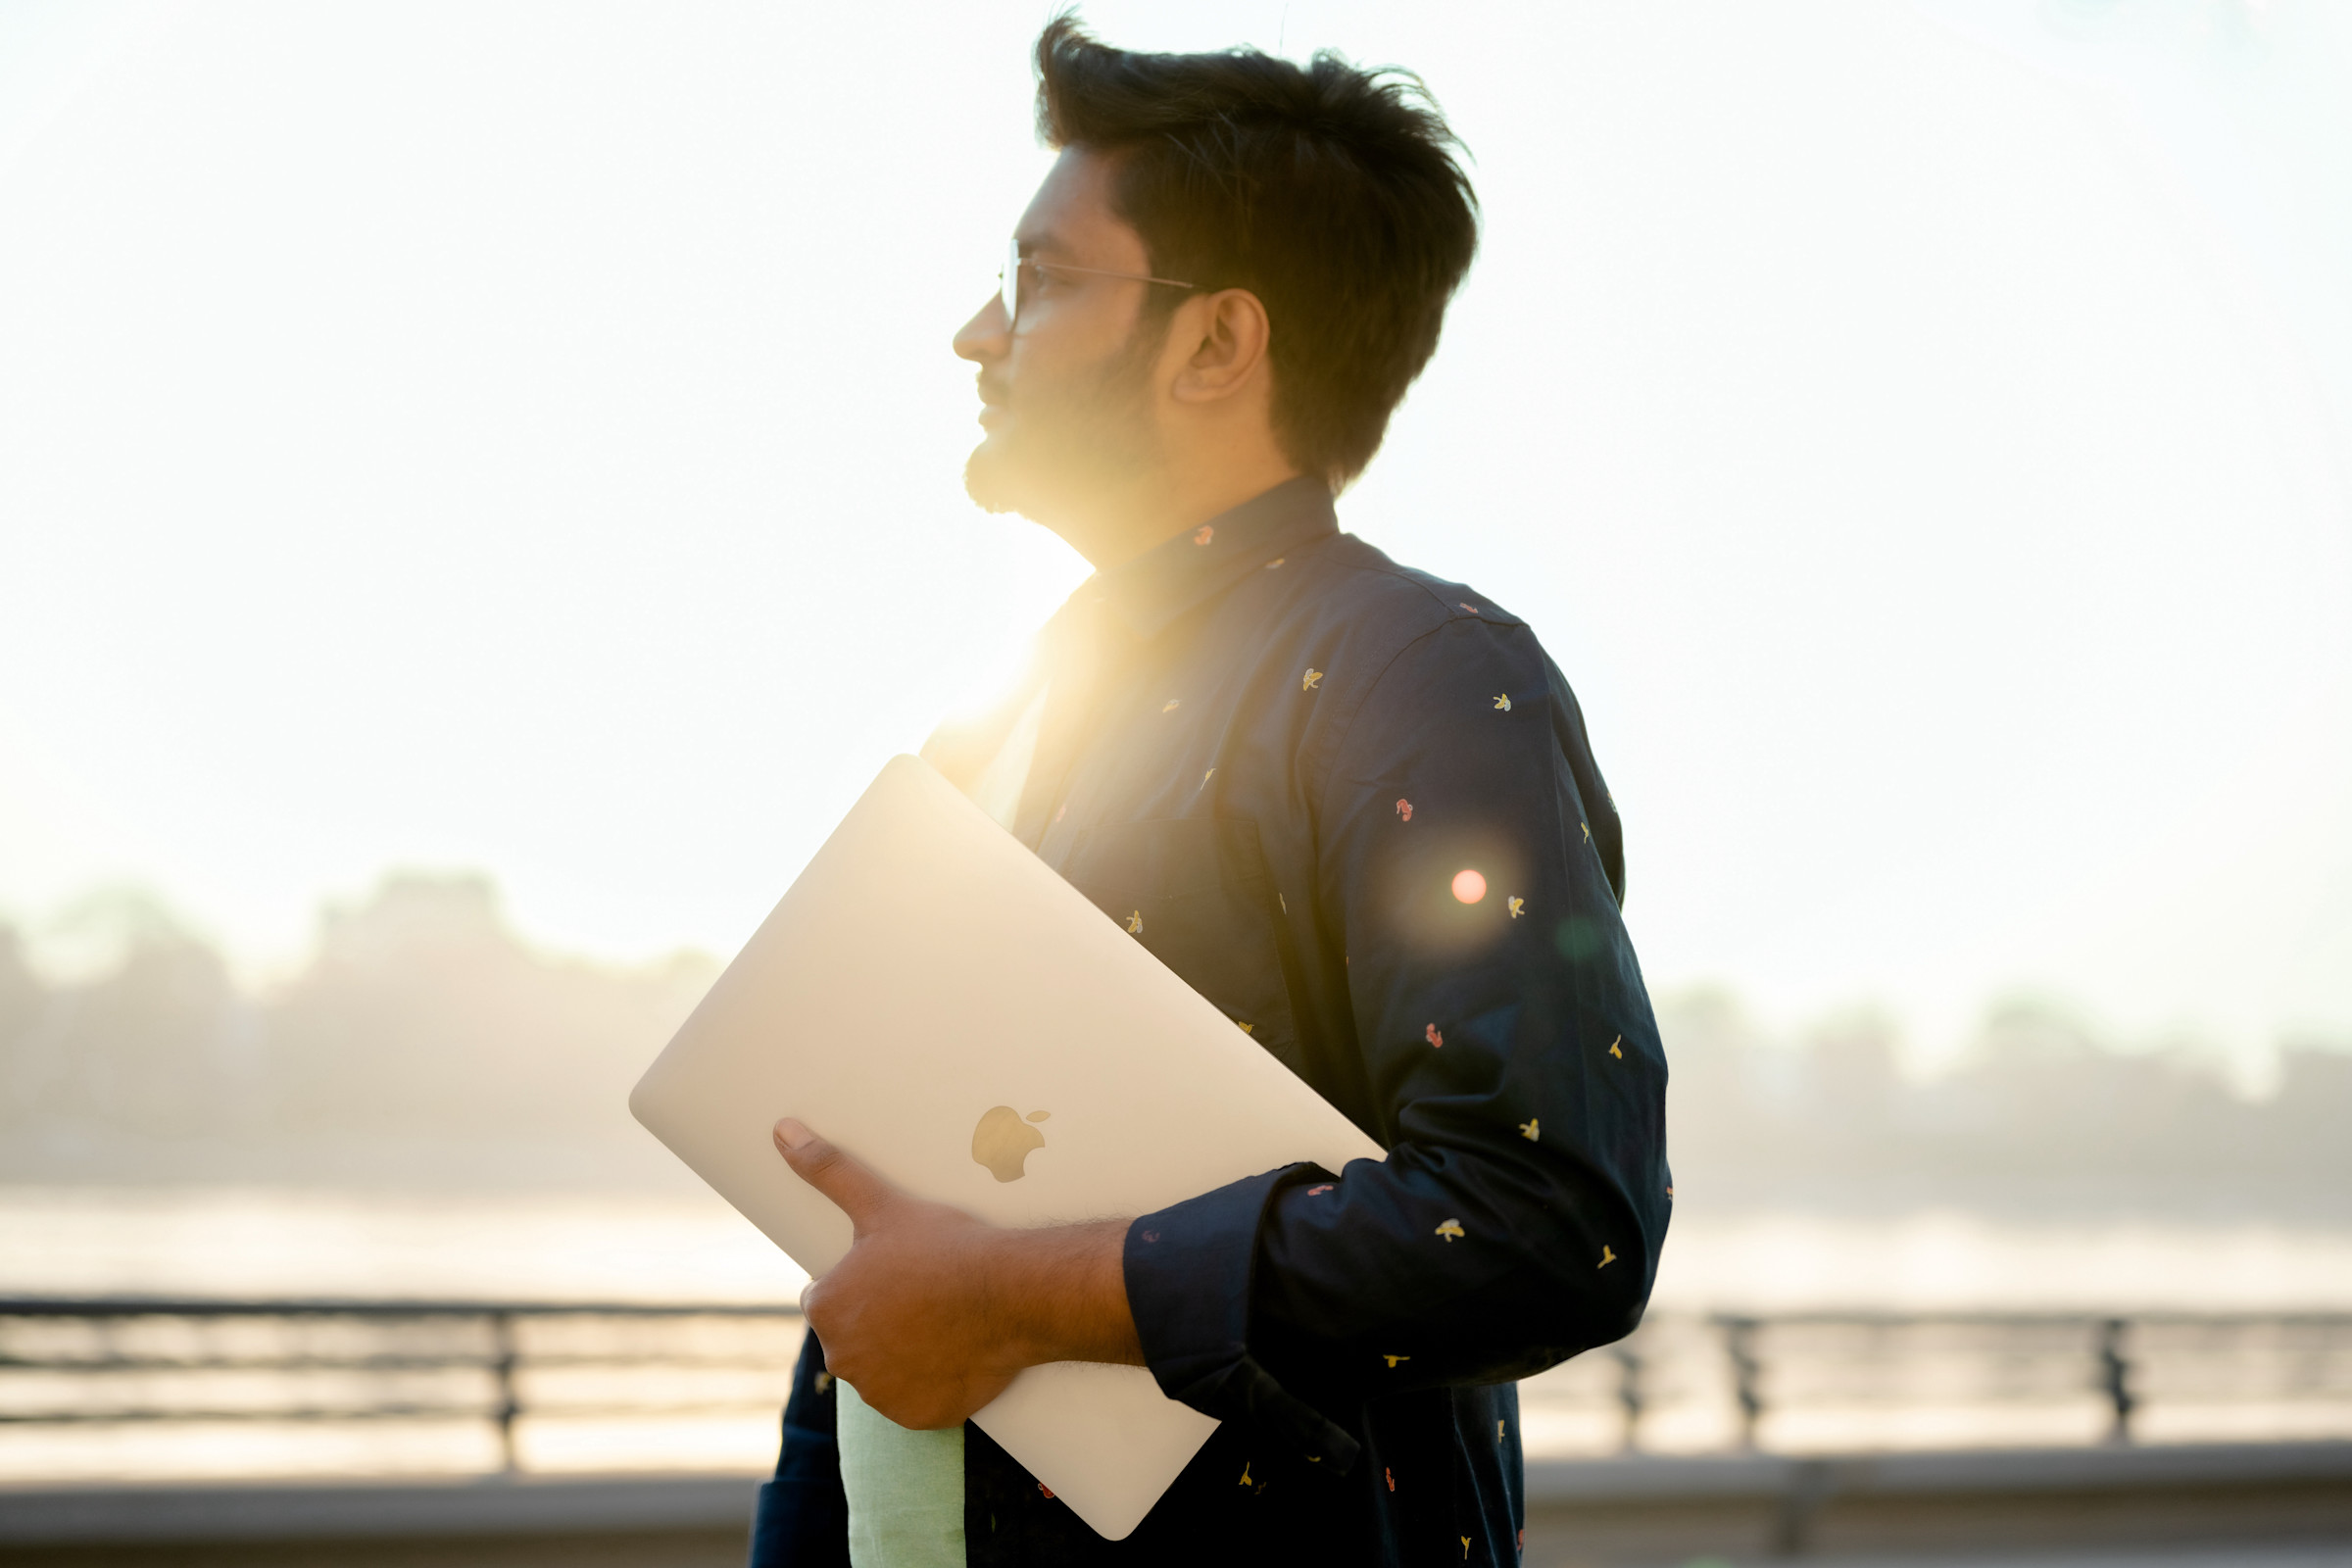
x,y
933,1312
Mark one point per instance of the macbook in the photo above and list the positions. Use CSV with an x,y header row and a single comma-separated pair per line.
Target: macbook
x,y
934,999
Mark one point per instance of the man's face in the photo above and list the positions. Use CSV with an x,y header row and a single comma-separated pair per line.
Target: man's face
x,y
1066,394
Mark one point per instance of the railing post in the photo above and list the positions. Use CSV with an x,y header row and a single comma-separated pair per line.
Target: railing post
x,y
1629,1396
2115,1377
1748,1375
502,1367
1809,1486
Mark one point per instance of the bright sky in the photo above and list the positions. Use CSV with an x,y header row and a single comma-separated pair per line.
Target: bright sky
x,y
525,438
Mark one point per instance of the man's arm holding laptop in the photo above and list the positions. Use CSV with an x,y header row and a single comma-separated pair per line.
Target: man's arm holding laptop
x,y
1519,1081
1519,1215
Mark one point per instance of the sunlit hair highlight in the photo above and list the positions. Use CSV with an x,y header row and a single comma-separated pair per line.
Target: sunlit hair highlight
x,y
1332,194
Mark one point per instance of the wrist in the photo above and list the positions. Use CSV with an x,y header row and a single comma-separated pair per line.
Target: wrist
x,y
1059,1294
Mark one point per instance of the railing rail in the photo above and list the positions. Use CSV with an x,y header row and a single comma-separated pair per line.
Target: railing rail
x,y
2106,1349
497,1353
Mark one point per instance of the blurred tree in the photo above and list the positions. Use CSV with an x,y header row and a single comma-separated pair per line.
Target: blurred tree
x,y
141,1043
1851,1066
424,1012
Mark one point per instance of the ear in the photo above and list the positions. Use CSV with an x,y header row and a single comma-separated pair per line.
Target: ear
x,y
1224,337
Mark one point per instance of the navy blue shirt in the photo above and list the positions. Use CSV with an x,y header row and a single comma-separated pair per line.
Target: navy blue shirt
x,y
1353,805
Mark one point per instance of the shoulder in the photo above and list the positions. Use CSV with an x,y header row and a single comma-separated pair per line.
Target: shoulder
x,y
1390,647
1358,581
1374,617
1424,671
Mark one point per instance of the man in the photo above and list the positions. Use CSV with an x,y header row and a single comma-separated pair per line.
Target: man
x,y
1351,804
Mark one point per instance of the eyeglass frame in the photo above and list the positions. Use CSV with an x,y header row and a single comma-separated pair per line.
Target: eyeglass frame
x,y
1008,286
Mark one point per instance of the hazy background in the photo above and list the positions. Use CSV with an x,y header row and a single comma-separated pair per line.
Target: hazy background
x,y
479,495
425,1047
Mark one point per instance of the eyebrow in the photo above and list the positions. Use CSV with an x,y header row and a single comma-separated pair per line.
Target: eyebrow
x,y
1030,244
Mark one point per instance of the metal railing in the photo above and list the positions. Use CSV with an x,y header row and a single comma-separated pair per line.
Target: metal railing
x,y
373,1353
82,1362
1780,1361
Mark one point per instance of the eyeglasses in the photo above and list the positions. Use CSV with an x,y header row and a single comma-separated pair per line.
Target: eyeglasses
x,y
1009,280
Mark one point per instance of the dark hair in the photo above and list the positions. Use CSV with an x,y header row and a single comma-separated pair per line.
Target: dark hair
x,y
1331,193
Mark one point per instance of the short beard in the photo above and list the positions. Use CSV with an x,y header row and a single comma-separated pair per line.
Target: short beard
x,y
1081,443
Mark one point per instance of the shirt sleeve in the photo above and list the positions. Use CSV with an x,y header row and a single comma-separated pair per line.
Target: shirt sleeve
x,y
1468,857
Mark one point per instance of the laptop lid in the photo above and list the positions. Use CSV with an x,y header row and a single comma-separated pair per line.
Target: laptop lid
x,y
933,999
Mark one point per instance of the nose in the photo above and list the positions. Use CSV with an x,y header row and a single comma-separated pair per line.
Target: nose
x,y
985,336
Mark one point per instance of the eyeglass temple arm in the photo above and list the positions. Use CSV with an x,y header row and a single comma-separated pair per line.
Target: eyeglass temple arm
x,y
1100,271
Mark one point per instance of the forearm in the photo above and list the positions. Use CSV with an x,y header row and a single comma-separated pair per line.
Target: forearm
x,y
1059,1292
1410,1273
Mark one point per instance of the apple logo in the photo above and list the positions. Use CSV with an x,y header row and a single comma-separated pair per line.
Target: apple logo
x,y
1003,1140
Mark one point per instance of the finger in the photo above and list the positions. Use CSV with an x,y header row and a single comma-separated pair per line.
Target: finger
x,y
854,1190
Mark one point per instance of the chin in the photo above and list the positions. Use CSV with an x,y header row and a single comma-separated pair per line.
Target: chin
x,y
991,481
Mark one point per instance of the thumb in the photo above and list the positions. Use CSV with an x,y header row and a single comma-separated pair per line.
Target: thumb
x,y
854,1189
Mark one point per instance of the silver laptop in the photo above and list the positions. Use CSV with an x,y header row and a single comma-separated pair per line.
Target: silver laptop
x,y
937,1001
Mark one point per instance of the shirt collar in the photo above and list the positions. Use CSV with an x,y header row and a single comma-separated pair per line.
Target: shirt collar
x,y
1150,591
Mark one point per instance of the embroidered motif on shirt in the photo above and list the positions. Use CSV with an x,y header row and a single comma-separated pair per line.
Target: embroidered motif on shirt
x,y
1203,534
1606,1257
1319,1188
1530,1127
1431,1035
1449,1229
1613,1045
1518,906
1391,1476
1310,680
1392,1360
1247,1028
1276,562
1586,827
1171,704
1404,810
1135,923
1503,702
1205,777
1473,609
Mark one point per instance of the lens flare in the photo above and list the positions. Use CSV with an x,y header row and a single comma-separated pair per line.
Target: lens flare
x,y
1469,886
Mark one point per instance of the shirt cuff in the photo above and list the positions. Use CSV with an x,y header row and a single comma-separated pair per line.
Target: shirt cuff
x,y
1189,1270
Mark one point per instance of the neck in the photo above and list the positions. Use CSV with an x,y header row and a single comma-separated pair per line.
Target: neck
x,y
1117,528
